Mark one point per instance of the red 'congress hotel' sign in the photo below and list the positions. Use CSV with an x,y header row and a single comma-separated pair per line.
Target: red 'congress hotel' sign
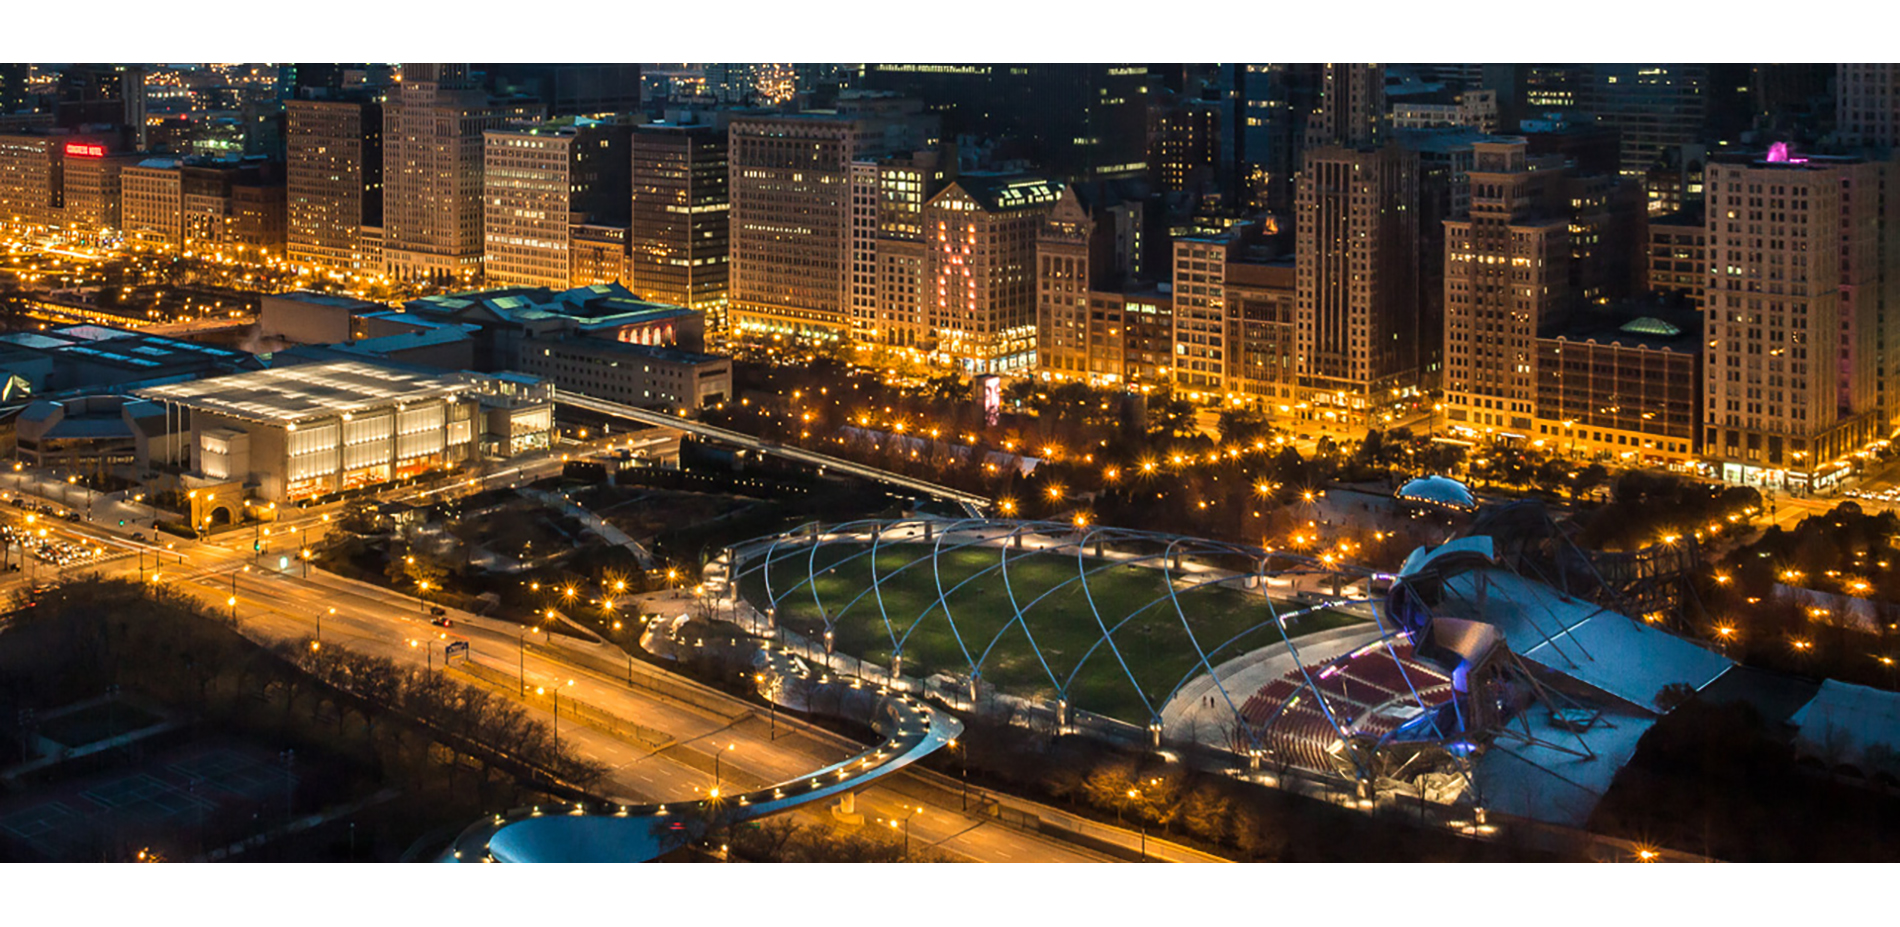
x,y
84,150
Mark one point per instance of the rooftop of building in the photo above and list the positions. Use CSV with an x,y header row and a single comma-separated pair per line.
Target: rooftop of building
x,y
331,300
1278,272
605,347
1006,192
291,394
1780,156
557,127
1690,216
1661,325
599,306
1442,140
427,336
118,347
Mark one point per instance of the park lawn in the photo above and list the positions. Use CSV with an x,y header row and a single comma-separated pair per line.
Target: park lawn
x,y
1158,650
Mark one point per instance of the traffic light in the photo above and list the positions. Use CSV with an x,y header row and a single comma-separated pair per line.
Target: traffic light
x,y
121,522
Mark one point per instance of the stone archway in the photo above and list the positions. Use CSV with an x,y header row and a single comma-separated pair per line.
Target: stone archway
x,y
220,516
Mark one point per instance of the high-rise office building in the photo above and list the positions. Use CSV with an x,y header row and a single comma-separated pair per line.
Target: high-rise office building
x,y
93,189
103,94
232,209
1085,260
1262,304
678,251
1264,108
791,226
14,96
887,246
1072,122
1793,309
1185,151
1062,294
432,171
334,179
1867,104
567,89
1200,309
1444,190
1506,275
979,286
1350,111
1651,106
538,183
152,208
1678,261
1356,251
597,254
30,184
1606,237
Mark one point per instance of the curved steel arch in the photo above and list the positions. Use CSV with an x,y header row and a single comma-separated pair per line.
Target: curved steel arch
x,y
1175,549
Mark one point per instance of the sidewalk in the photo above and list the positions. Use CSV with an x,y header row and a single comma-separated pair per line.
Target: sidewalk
x,y
595,523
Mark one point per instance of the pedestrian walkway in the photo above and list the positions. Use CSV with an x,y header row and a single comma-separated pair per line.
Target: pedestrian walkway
x,y
594,523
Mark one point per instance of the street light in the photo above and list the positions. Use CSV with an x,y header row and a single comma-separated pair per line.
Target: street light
x,y
1135,795
539,690
430,664
716,756
521,642
963,761
909,813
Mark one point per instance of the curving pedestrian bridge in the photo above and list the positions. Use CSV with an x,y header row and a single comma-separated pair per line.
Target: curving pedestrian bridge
x,y
908,730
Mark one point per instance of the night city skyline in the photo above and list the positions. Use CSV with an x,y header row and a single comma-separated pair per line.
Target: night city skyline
x,y
1073,461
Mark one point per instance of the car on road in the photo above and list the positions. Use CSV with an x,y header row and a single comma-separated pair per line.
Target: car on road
x,y
441,622
138,535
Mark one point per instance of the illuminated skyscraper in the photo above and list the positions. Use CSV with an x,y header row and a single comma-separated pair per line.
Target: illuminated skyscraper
x,y
1356,253
678,251
1867,104
1351,107
1793,311
1506,274
1073,122
30,185
979,284
432,176
792,221
334,175
538,183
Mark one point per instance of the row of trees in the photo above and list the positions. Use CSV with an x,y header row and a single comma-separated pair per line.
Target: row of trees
x,y
782,839
476,720
1647,506
1241,820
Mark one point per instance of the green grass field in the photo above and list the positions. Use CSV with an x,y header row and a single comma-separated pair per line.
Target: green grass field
x,y
1159,652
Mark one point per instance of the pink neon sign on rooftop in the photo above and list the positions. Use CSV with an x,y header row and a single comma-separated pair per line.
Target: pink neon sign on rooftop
x,y
1778,154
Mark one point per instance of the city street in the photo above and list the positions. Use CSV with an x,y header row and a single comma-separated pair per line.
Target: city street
x,y
273,602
